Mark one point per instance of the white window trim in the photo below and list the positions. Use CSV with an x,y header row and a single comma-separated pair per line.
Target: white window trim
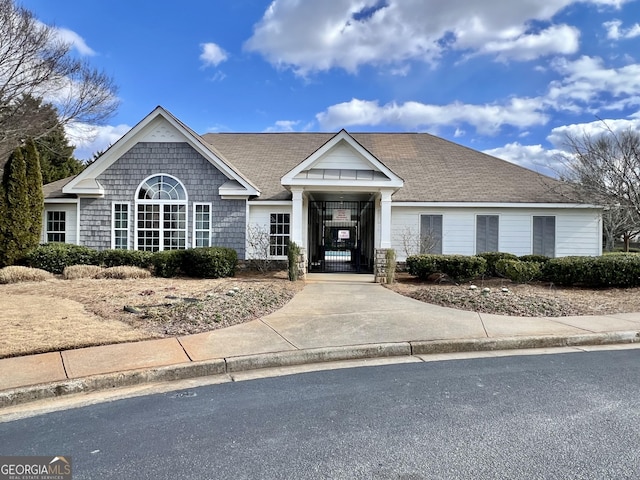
x,y
278,257
555,233
47,231
130,216
162,203
475,229
195,205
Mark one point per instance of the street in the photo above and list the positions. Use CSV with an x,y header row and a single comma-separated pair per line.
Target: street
x,y
562,416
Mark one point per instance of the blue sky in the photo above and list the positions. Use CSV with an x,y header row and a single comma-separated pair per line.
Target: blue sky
x,y
511,78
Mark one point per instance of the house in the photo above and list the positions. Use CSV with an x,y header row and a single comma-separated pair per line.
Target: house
x,y
341,196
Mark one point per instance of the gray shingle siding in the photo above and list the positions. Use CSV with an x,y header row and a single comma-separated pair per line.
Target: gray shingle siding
x,y
199,177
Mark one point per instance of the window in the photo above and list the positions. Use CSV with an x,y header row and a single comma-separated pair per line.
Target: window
x,y
544,236
161,207
201,225
56,226
487,233
431,234
279,234
120,220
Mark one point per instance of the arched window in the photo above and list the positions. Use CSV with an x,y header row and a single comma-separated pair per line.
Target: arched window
x,y
161,207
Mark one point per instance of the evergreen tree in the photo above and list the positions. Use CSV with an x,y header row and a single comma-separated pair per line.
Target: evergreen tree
x,y
35,196
15,209
56,156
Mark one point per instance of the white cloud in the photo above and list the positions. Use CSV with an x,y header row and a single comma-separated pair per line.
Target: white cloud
x,y
614,32
283,126
212,55
558,136
90,139
585,79
76,41
560,39
487,119
533,157
68,37
318,36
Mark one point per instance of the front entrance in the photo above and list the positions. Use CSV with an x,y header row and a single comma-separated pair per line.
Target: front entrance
x,y
341,236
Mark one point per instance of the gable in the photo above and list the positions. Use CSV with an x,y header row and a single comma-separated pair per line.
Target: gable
x,y
343,162
157,127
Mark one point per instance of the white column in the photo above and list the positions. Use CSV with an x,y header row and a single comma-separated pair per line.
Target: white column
x,y
385,218
297,217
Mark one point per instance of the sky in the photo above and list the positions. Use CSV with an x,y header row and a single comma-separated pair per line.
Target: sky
x,y
507,77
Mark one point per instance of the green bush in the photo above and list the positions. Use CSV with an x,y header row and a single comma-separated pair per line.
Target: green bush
x,y
492,259
126,258
293,252
54,257
210,262
519,271
458,267
534,258
619,270
167,263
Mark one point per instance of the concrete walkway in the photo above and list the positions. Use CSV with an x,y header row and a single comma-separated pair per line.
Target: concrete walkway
x,y
335,317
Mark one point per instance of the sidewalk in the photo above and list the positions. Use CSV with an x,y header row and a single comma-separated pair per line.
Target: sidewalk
x,y
335,317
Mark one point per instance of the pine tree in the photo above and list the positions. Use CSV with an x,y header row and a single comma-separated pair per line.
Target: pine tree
x,y
56,156
15,208
35,196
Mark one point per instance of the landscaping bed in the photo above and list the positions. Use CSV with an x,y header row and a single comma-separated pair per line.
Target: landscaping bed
x,y
537,299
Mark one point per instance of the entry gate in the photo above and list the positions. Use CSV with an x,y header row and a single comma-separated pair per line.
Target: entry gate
x,y
341,236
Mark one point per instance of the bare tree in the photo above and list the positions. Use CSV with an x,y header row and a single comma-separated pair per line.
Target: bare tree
x,y
605,170
36,64
415,242
259,243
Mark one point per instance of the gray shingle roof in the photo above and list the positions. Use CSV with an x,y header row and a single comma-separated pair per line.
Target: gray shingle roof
x,y
433,169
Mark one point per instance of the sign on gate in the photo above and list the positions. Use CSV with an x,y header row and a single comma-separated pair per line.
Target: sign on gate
x,y
341,215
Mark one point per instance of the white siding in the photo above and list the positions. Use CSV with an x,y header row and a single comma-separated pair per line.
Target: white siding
x,y
259,217
71,220
343,157
577,230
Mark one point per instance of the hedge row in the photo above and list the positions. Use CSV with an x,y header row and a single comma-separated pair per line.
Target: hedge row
x,y
210,262
457,267
621,270
618,270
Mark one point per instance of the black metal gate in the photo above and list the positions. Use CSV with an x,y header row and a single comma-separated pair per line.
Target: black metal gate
x,y
341,236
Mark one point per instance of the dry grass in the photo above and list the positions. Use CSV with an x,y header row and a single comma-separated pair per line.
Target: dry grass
x,y
60,314
16,274
124,273
75,272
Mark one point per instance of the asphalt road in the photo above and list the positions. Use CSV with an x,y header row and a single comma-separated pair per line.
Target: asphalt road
x,y
564,416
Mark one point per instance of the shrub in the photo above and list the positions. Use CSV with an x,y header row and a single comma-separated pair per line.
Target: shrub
x,y
54,257
210,262
519,271
123,272
293,252
492,258
458,267
167,263
131,258
16,273
618,270
73,272
534,258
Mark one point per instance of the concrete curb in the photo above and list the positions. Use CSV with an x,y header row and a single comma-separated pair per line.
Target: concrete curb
x,y
184,371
